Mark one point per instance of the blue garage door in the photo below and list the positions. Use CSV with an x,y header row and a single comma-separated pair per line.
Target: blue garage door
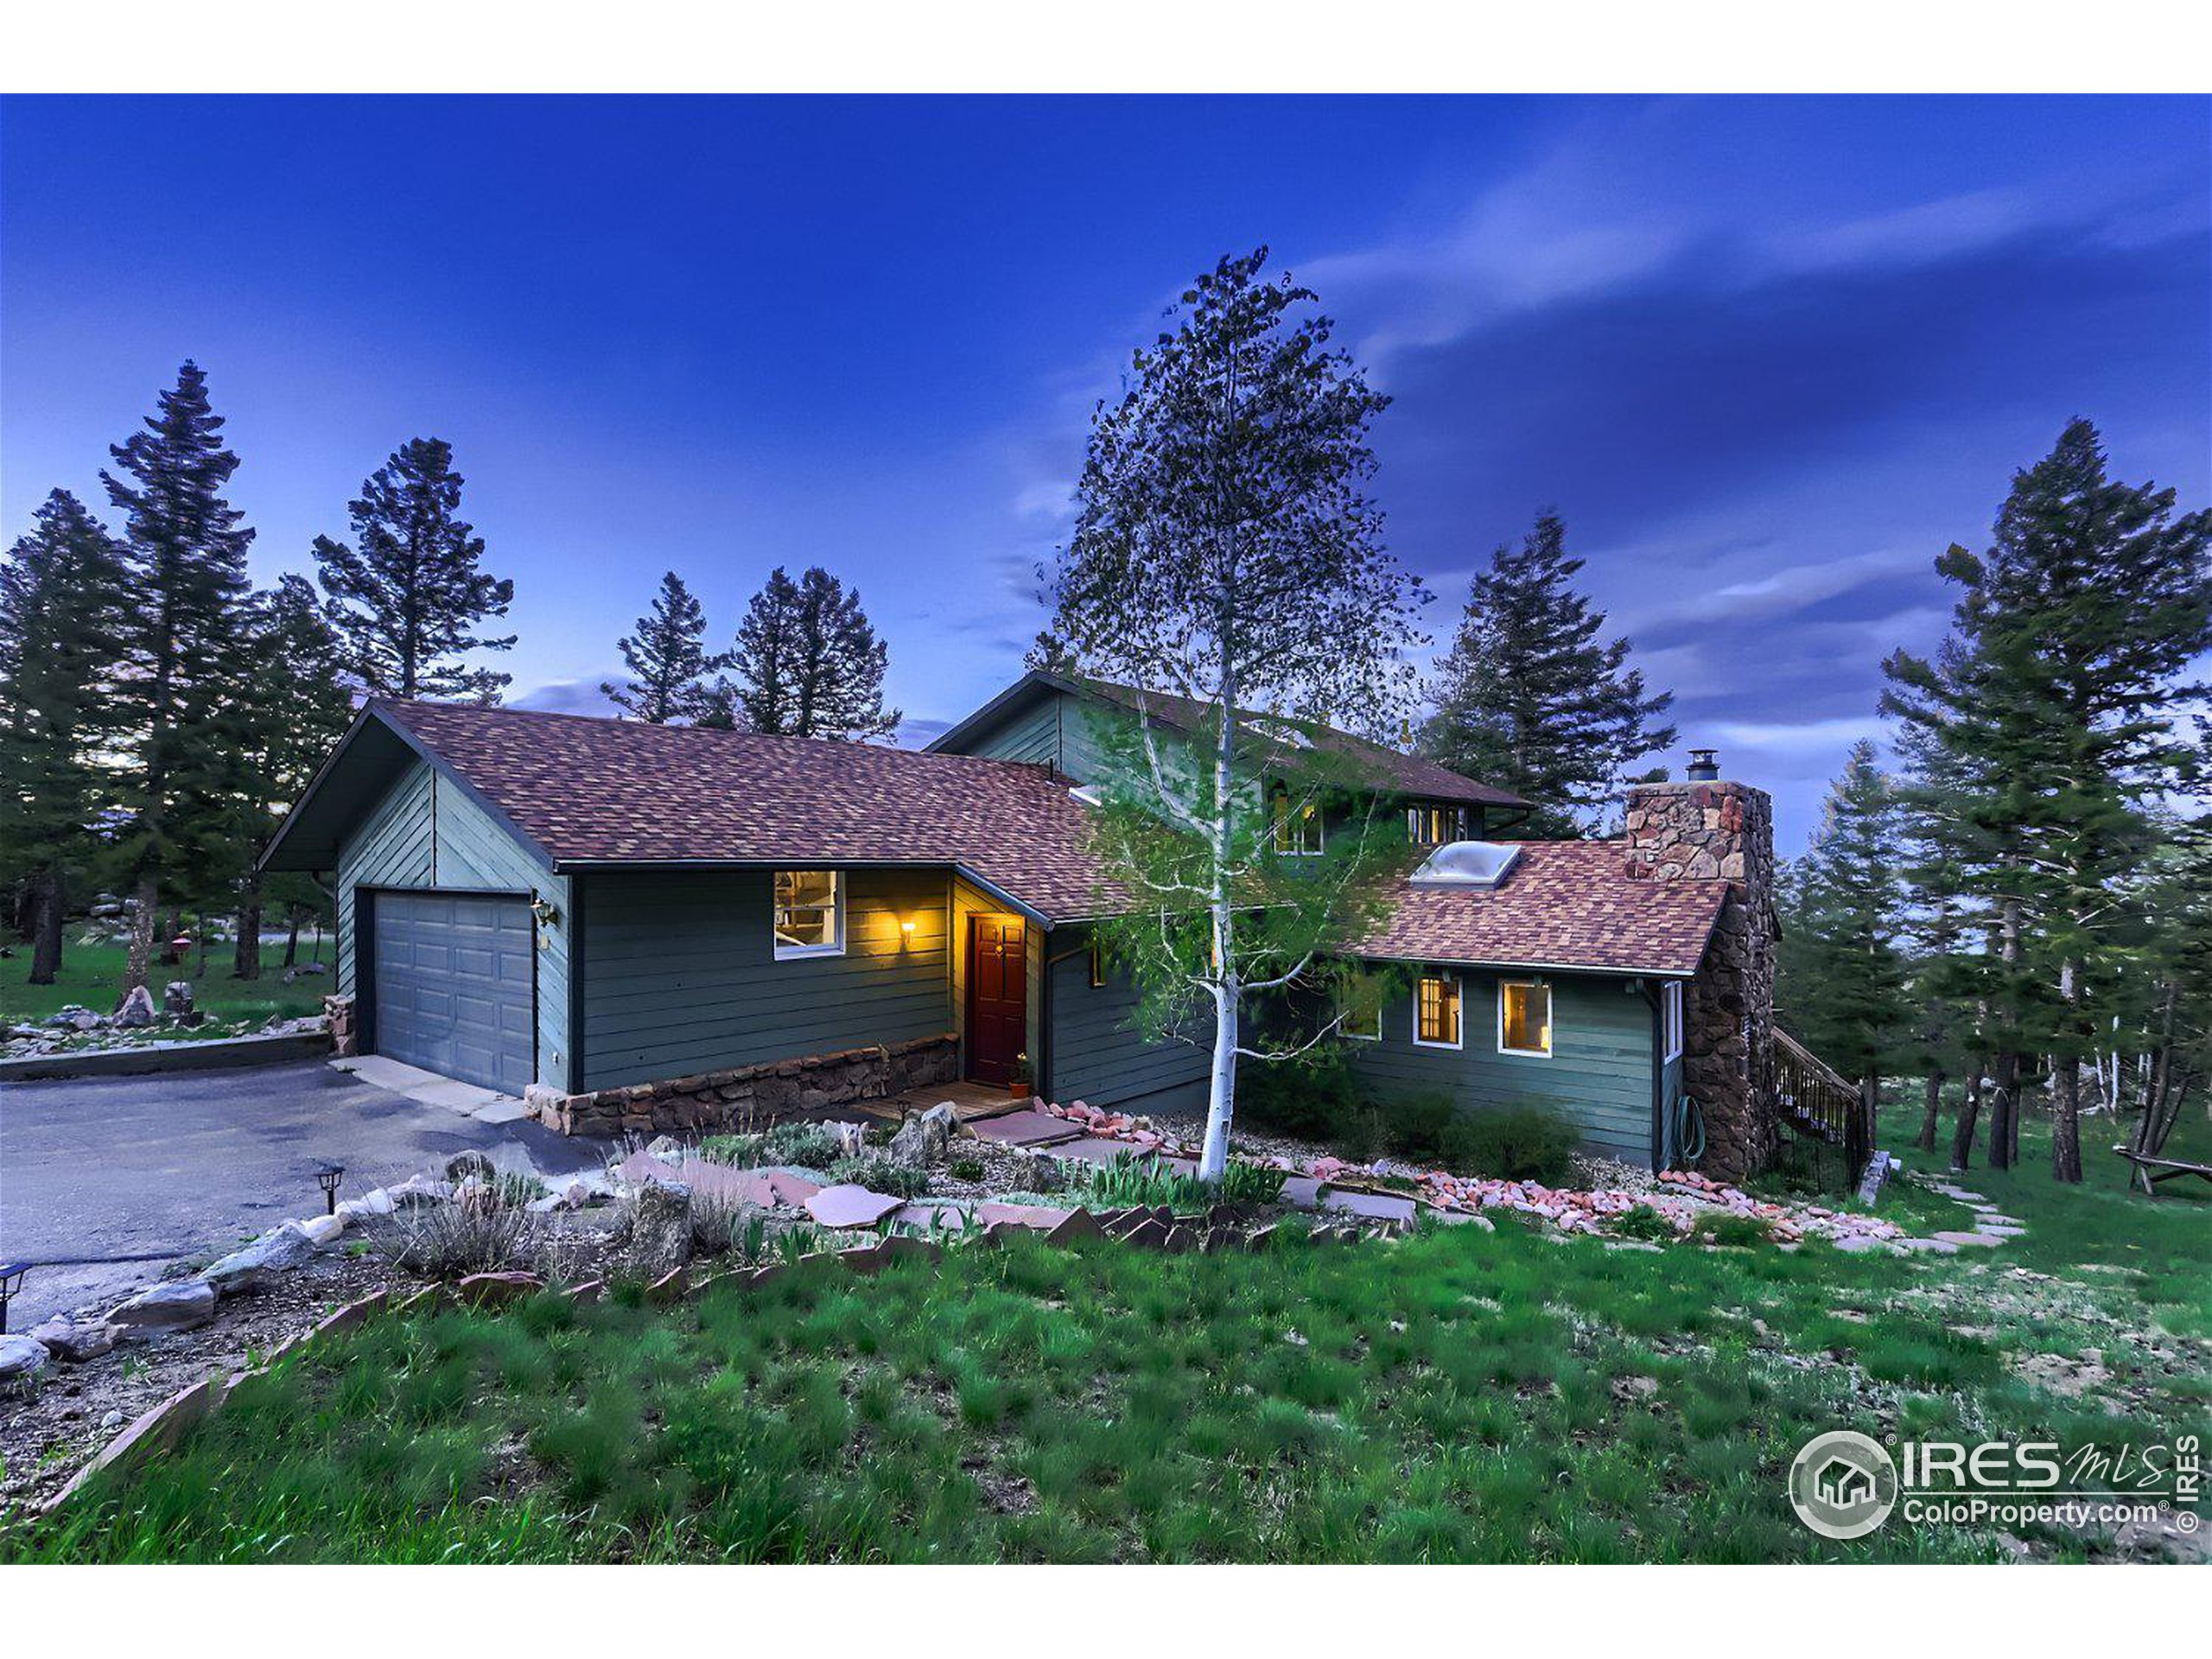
x,y
452,986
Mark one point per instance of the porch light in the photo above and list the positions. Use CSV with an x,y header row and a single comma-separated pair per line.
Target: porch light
x,y
11,1280
907,927
328,1178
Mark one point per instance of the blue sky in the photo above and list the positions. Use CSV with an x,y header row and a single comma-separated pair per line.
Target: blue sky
x,y
1768,357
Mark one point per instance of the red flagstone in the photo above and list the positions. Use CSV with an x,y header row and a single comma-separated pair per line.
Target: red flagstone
x,y
852,1205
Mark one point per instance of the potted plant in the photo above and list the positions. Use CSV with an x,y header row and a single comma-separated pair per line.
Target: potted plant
x,y
1018,1075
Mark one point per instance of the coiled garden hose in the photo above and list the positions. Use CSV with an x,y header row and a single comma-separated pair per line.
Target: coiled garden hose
x,y
1685,1138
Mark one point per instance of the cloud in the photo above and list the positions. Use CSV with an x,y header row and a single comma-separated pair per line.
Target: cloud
x,y
568,697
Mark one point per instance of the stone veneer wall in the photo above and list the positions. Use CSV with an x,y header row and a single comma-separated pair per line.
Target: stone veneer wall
x,y
711,1102
344,1043
1704,831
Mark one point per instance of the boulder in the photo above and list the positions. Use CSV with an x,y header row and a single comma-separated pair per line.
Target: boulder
x,y
377,1202
497,1289
660,1228
666,1148
21,1358
275,1251
182,1305
922,1138
176,998
418,1190
322,1231
467,1166
136,1012
74,1343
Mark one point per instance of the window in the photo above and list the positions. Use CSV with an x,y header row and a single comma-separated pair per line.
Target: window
x,y
1433,826
1436,1011
1670,1017
1297,829
1359,1010
1097,964
1524,1019
810,913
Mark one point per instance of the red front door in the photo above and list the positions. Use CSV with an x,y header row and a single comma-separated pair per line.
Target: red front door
x,y
998,996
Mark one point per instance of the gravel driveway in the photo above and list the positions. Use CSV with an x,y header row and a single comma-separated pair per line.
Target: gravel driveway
x,y
103,1182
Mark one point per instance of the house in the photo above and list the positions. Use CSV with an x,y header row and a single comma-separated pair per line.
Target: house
x,y
642,927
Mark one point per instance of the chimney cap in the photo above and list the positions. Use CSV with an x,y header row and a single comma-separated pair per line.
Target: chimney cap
x,y
1703,768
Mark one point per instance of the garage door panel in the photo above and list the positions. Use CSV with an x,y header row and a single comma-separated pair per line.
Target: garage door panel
x,y
454,978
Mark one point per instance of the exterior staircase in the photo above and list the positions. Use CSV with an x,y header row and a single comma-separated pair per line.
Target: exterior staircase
x,y
1816,1102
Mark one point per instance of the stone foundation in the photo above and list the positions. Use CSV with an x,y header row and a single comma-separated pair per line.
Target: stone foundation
x,y
343,1042
1708,831
748,1096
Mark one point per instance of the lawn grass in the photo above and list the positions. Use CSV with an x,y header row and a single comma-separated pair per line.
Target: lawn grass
x,y
1455,1395
91,975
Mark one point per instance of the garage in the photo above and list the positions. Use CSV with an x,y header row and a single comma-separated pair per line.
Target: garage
x,y
453,989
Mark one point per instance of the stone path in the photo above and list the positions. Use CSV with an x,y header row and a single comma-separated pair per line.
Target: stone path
x,y
468,1099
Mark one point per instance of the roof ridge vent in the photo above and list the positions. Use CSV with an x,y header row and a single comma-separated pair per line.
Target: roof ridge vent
x,y
1468,864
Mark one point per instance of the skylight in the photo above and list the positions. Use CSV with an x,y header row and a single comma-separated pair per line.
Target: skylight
x,y
1468,864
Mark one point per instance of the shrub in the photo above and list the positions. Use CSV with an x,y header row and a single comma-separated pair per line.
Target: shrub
x,y
808,1145
722,1222
1418,1126
1131,1182
1243,1183
484,1233
1527,1142
1724,1227
741,1151
966,1169
1314,1097
1646,1222
878,1173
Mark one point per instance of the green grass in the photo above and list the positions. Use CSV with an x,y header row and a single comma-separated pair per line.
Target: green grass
x,y
91,975
1456,1396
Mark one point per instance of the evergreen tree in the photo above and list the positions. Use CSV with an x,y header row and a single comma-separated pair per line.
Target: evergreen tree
x,y
1531,697
1226,551
1842,982
182,636
809,664
666,661
2064,709
292,706
61,601
407,595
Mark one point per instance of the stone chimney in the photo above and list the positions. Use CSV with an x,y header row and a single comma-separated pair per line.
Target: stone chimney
x,y
1711,828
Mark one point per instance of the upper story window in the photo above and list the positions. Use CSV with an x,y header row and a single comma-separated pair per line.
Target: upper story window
x,y
810,913
1670,1018
1436,1011
1297,825
1431,825
1524,1018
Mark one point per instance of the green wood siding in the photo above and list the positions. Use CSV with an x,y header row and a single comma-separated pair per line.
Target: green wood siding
x,y
1598,1076
1033,735
681,975
426,832
1098,1053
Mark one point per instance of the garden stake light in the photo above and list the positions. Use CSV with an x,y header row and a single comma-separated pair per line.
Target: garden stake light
x,y
11,1280
327,1178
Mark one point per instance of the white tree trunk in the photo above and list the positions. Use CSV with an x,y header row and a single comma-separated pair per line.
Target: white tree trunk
x,y
1221,1092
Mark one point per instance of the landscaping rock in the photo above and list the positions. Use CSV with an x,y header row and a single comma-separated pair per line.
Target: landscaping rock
x,y
322,1230
852,1205
469,1166
497,1289
666,1148
137,1010
418,1190
184,1305
176,998
74,1343
21,1358
924,1138
278,1250
1080,1223
660,1228
377,1202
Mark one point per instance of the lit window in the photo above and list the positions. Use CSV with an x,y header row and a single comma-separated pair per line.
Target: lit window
x,y
1359,1010
1297,829
1097,964
1433,826
1524,1019
1670,1017
810,913
1436,1023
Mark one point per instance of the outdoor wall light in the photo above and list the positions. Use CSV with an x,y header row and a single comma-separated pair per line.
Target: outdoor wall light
x,y
11,1280
543,911
907,927
327,1178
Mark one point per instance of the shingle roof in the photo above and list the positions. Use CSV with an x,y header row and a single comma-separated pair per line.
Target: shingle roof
x,y
589,790
1565,903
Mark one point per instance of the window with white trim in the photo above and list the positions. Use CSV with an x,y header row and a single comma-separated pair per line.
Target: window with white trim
x,y
1436,1011
1297,826
1431,825
1524,1018
1359,1010
810,913
1670,1018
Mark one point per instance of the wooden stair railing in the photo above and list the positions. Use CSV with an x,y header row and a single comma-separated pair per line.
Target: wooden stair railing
x,y
1815,1100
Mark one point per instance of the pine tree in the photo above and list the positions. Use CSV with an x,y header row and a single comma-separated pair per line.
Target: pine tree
x,y
666,661
809,664
290,709
1532,699
406,596
2063,708
1226,551
1048,653
1842,984
181,639
61,601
